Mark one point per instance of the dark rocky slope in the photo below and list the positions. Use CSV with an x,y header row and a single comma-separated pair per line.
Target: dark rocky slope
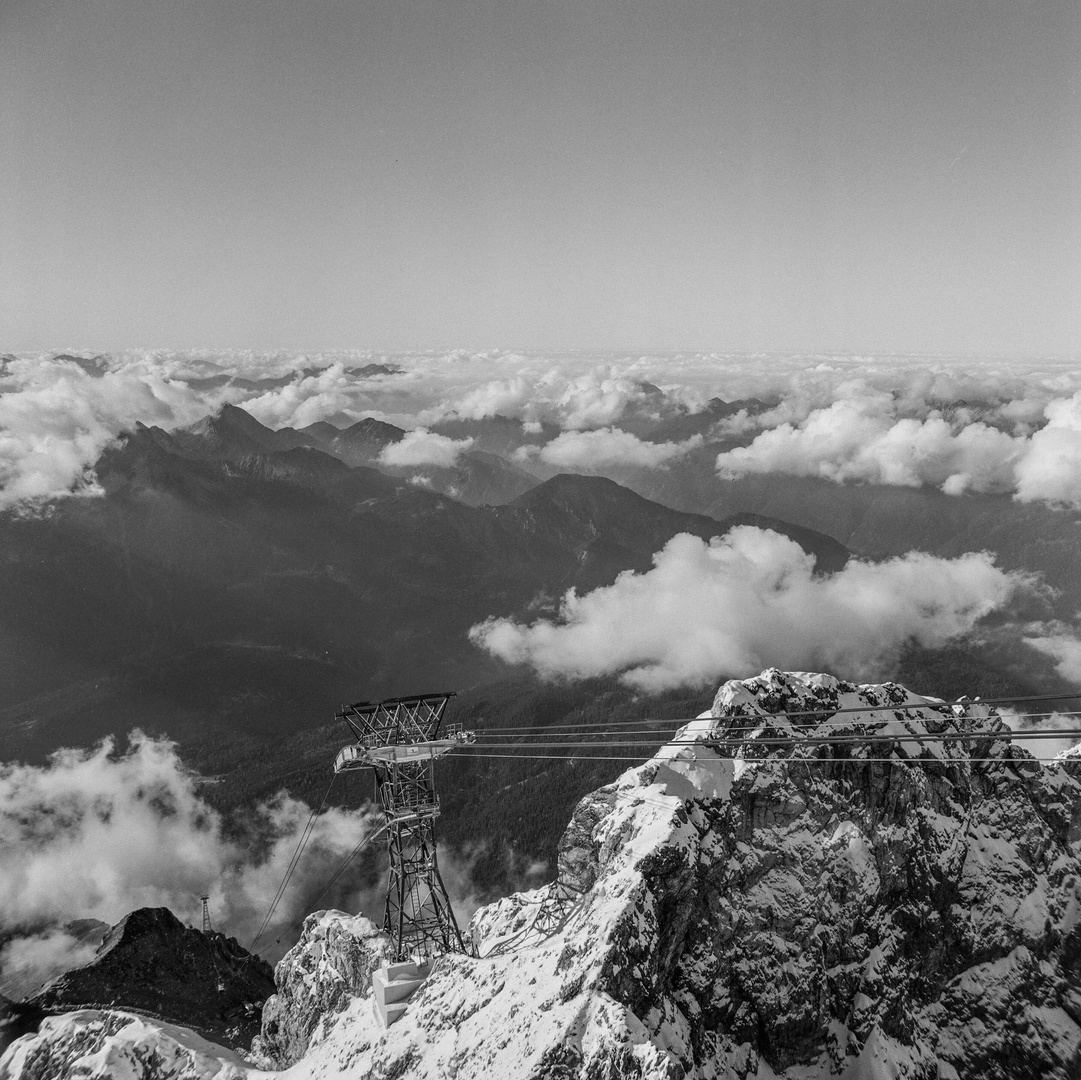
x,y
151,962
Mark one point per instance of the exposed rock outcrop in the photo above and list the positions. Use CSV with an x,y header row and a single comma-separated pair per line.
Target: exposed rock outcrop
x,y
329,966
890,906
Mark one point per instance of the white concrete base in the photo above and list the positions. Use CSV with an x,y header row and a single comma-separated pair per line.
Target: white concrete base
x,y
394,985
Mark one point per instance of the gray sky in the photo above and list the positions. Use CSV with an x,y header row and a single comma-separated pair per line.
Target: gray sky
x,y
850,176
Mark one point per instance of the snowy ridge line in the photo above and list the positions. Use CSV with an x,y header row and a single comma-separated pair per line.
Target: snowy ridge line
x,y
923,703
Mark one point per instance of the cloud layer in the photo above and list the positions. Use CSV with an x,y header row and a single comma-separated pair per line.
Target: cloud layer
x,y
97,833
746,601
607,448
424,447
958,424
1046,746
866,437
1064,647
55,420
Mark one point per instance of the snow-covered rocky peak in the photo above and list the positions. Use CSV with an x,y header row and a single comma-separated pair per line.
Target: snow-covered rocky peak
x,y
330,965
110,1044
754,902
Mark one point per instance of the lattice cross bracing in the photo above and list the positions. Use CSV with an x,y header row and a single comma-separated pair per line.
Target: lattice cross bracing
x,y
400,739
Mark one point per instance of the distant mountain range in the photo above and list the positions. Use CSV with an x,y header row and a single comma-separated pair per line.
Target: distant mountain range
x,y
231,434
235,579
235,584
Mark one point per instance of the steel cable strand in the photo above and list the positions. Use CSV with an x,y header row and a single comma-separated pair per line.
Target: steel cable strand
x,y
305,836
308,907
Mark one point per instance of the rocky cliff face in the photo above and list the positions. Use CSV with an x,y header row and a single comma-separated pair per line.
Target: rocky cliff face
x,y
329,966
755,903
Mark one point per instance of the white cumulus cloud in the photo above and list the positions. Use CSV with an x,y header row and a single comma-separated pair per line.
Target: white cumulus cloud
x,y
606,448
424,447
309,399
863,438
27,963
746,601
1044,746
96,833
569,398
55,420
1051,466
1064,647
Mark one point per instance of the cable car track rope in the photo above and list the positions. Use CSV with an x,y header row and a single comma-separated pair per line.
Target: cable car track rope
x,y
597,736
302,843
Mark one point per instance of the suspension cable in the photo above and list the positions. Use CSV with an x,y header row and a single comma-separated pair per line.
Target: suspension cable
x,y
369,838
803,740
569,730
580,758
764,716
305,835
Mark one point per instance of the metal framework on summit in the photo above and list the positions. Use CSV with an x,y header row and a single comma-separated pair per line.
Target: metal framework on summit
x,y
400,739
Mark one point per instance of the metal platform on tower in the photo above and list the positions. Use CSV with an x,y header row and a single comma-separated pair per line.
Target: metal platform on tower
x,y
399,739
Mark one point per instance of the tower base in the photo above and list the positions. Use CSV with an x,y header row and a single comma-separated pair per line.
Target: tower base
x,y
394,984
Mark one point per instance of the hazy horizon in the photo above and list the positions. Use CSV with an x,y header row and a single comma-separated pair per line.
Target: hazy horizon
x,y
822,178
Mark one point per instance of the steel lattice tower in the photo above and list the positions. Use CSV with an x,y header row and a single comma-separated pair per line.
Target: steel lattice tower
x,y
206,912
399,739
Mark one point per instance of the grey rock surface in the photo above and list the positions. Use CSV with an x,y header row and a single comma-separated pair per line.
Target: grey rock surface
x,y
331,964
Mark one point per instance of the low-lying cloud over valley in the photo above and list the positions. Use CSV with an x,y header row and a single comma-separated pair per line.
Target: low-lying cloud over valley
x,y
606,448
865,438
424,447
95,833
749,600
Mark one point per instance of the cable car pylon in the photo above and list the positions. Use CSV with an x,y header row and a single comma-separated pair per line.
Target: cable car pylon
x,y
399,739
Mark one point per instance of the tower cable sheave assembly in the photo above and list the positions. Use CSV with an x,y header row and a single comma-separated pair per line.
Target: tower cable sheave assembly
x,y
400,739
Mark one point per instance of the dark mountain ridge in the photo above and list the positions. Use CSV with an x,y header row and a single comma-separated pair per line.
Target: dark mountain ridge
x,y
151,963
234,602
198,587
231,434
561,509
